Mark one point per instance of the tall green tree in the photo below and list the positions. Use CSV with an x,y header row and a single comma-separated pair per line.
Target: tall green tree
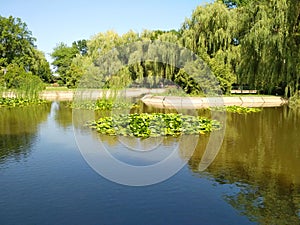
x,y
18,50
102,43
270,45
63,56
209,33
242,41
16,40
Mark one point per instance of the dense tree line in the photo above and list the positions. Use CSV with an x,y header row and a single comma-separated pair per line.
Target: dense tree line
x,y
270,53
250,43
246,43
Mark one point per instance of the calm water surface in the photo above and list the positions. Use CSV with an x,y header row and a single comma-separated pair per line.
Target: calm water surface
x,y
255,178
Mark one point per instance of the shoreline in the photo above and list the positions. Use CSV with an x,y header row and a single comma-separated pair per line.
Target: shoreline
x,y
161,101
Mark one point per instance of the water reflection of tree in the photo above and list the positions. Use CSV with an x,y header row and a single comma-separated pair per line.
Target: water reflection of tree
x,y
138,143
18,129
260,157
63,114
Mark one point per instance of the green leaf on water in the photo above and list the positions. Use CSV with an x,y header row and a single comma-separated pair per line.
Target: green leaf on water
x,y
152,125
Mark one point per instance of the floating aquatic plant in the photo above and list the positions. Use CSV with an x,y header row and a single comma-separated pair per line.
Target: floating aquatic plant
x,y
152,125
236,109
241,109
101,104
20,102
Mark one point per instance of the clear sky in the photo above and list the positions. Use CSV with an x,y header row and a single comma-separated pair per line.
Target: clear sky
x,y
55,21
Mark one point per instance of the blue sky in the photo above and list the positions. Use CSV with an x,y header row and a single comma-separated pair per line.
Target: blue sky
x,y
54,21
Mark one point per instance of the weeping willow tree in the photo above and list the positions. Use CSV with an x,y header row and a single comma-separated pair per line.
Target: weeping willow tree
x,y
254,43
109,51
269,34
210,33
92,70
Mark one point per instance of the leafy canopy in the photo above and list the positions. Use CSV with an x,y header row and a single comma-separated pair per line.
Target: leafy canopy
x,y
17,50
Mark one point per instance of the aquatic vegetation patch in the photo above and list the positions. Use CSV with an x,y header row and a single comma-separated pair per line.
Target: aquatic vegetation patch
x,y
20,102
294,101
236,109
153,125
241,109
101,104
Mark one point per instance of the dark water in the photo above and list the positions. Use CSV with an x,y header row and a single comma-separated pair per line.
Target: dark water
x,y
255,178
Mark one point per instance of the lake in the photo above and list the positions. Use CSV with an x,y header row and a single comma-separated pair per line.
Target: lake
x,y
254,179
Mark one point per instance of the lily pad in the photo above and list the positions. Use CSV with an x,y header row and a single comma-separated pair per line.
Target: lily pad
x,y
152,125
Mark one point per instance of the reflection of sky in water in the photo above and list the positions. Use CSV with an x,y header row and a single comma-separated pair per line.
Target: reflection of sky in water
x,y
54,109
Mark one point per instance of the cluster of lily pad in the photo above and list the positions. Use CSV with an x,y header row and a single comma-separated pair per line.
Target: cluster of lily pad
x,y
241,109
100,104
20,102
153,125
237,109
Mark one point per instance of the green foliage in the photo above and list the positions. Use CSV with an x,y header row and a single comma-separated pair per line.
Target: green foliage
x,y
209,33
41,67
244,42
187,83
223,71
18,52
241,109
53,88
294,101
152,125
29,86
63,56
16,39
26,91
270,45
236,109
162,68
24,84
101,104
12,76
20,102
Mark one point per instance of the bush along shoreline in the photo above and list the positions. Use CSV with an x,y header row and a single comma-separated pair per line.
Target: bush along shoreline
x,y
25,93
